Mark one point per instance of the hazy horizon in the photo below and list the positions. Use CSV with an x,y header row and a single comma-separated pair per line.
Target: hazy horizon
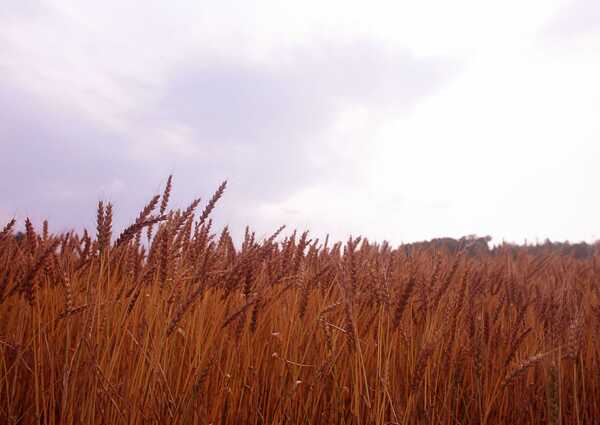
x,y
398,123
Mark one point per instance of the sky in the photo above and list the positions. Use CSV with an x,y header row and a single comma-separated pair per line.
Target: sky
x,y
399,121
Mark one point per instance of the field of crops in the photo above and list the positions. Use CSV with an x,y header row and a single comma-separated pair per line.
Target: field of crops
x,y
171,322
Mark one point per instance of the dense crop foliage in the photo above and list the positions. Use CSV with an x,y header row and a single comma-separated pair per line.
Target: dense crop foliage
x,y
172,323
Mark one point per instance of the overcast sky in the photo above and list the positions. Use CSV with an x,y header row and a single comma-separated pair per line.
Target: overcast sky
x,y
394,120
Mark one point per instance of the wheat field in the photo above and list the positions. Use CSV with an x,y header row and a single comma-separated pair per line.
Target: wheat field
x,y
171,323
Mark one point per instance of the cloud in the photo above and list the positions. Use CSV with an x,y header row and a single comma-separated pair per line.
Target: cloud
x,y
578,17
268,129
266,124
391,121
21,8
56,164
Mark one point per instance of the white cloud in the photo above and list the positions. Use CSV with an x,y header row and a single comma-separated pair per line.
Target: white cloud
x,y
577,18
507,148
495,131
